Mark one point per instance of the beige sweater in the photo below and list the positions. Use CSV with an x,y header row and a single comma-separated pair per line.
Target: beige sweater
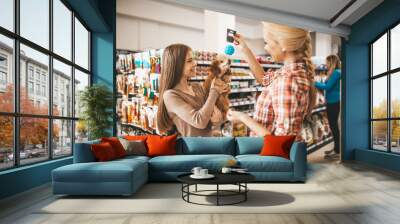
x,y
191,115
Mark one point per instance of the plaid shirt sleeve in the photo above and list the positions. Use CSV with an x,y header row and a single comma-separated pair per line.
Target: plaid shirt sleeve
x,y
268,77
289,104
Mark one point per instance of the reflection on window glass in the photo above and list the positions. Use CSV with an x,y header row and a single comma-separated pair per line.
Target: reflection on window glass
x,y
379,135
62,29
62,89
395,47
395,136
379,98
33,139
62,138
39,62
7,14
81,45
6,75
81,131
395,95
81,82
35,21
6,142
379,56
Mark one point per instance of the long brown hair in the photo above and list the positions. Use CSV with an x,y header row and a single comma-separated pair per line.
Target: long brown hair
x,y
333,62
173,62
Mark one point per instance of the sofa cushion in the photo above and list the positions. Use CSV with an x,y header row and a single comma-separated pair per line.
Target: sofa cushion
x,y
161,145
185,163
206,145
249,145
103,152
116,145
134,147
112,171
130,158
277,145
257,163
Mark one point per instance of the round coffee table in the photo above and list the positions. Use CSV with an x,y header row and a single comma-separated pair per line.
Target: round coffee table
x,y
238,179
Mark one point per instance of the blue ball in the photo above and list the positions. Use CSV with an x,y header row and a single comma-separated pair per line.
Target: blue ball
x,y
229,49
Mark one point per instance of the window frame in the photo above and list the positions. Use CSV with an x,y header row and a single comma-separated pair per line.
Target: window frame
x,y
388,74
16,114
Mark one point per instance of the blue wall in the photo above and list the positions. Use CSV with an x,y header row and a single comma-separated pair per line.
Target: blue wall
x,y
24,178
356,85
100,16
103,51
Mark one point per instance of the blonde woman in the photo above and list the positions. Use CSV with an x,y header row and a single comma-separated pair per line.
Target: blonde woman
x,y
183,108
288,93
332,94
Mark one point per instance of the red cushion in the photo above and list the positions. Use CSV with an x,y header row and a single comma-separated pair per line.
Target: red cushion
x,y
103,152
161,145
277,145
116,145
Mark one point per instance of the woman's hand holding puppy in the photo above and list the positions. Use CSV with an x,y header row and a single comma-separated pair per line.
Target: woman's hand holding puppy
x,y
220,86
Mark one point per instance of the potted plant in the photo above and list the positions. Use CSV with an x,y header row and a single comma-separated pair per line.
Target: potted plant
x,y
96,103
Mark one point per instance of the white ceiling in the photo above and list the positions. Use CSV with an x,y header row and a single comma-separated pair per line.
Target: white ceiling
x,y
313,15
321,9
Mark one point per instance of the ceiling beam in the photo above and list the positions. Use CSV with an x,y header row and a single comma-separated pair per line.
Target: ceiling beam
x,y
346,12
264,14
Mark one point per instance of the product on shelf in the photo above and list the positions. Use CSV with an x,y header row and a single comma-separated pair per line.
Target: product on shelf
x,y
204,55
138,60
125,63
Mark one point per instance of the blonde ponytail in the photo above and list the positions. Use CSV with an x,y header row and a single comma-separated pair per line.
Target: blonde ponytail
x,y
310,70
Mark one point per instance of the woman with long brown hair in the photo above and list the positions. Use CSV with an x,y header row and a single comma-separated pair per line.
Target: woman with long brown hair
x,y
332,95
288,95
186,109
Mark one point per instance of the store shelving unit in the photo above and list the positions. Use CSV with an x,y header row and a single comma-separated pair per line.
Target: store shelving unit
x,y
137,91
318,126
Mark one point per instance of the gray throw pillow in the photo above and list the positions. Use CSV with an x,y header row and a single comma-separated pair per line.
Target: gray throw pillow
x,y
134,147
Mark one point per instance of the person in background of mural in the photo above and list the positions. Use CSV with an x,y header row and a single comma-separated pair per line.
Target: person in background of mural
x,y
186,108
289,94
332,95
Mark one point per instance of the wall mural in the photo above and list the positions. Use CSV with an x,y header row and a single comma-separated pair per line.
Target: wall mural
x,y
138,87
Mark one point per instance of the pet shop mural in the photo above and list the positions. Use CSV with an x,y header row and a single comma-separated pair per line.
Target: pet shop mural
x,y
138,80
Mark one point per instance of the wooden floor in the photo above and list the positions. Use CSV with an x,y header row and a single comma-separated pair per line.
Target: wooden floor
x,y
378,189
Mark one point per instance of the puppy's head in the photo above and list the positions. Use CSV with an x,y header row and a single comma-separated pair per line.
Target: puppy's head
x,y
218,64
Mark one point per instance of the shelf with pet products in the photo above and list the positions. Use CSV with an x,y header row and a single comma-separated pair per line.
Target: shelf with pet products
x,y
316,130
137,87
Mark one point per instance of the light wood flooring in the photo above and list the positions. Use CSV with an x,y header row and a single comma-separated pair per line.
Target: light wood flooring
x,y
377,188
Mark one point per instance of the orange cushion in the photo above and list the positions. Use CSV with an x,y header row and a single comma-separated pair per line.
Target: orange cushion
x,y
277,145
103,152
135,137
161,145
116,145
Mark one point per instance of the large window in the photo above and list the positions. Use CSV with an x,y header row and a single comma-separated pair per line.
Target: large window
x,y
385,92
44,64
